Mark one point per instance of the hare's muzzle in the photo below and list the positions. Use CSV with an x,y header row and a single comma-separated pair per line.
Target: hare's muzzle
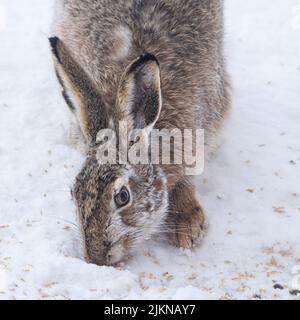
x,y
111,255
116,253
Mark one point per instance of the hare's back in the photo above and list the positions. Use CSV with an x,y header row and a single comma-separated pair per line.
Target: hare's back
x,y
106,35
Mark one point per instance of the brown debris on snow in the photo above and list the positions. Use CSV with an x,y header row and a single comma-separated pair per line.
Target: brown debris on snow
x,y
279,210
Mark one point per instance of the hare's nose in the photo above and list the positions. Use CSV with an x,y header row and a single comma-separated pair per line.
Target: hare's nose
x,y
114,254
98,257
99,260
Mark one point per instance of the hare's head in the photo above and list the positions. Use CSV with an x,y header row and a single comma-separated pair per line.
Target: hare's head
x,y
119,204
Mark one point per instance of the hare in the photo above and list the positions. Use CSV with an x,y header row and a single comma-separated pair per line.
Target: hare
x,y
155,64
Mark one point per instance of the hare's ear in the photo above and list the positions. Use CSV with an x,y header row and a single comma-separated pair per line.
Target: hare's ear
x,y
79,92
139,99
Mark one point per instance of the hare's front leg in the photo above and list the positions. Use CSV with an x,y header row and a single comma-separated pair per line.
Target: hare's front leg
x,y
185,222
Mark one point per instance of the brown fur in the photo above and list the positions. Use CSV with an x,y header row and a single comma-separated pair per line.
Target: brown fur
x,y
97,55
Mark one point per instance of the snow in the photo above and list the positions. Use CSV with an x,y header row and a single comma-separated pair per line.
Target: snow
x,y
250,190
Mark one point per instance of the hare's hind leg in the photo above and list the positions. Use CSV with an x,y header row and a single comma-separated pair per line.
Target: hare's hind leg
x,y
186,218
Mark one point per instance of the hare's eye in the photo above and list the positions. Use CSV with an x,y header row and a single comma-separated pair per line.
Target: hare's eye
x,y
122,198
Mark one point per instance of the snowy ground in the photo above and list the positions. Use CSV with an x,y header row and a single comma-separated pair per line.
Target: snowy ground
x,y
250,191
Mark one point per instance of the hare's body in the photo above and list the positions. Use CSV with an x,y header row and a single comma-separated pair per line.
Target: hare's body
x,y
186,37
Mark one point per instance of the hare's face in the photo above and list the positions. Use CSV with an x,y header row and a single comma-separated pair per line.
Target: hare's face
x,y
119,207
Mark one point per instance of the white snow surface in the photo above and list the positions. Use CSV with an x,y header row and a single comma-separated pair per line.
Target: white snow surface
x,y
250,191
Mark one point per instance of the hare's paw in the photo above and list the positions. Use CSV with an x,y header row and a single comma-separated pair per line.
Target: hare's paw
x,y
187,229
186,220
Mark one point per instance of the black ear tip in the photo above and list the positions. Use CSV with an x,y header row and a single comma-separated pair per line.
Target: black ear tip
x,y
53,43
148,57
143,59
